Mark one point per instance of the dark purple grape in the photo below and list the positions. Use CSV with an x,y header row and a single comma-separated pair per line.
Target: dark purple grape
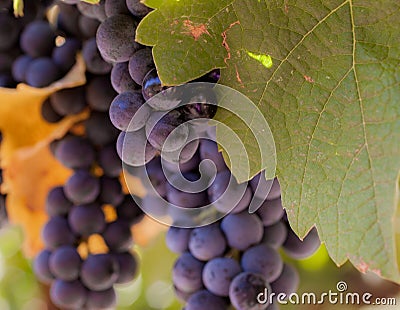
x,y
177,239
114,7
99,93
244,290
218,274
82,187
298,249
41,267
185,167
9,31
101,299
242,230
6,80
65,263
128,266
157,179
19,67
99,129
287,282
64,56
68,294
93,11
185,199
124,107
271,211
121,79
115,38
94,62
129,211
207,242
275,191
109,161
48,113
110,191
99,272
118,236
140,63
88,26
67,19
182,295
57,232
151,84
37,39
264,260
41,72
187,272
57,203
209,150
86,220
205,300
275,235
260,186
69,101
137,8
75,152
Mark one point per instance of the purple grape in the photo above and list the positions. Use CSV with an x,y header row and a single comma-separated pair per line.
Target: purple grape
x,y
275,235
19,67
134,149
187,272
93,11
64,56
75,152
37,39
298,249
177,239
57,232
129,210
69,101
207,242
151,84
99,93
109,161
117,236
110,191
41,267
137,8
82,187
41,72
205,300
139,64
68,294
88,26
264,260
94,62
244,290
209,150
242,230
48,113
128,267
218,274
65,263
271,211
99,129
99,272
121,79
287,282
106,299
57,203
114,7
86,220
260,186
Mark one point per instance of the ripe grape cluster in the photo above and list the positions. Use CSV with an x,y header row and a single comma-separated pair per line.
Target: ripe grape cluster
x,y
235,258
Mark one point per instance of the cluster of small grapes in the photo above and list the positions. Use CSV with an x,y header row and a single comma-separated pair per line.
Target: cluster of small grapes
x,y
236,258
3,210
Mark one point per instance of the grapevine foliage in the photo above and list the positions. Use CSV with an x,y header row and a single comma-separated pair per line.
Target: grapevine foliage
x,y
330,96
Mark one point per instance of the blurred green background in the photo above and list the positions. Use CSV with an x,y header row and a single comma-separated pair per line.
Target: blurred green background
x,y
152,288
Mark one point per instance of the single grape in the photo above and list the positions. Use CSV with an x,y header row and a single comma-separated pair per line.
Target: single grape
x,y
41,267
88,26
177,239
127,105
275,235
75,152
94,62
114,7
244,290
271,211
137,8
64,56
9,32
68,294
117,236
19,67
128,266
185,199
82,187
218,274
129,210
115,38
242,230
264,260
41,72
298,249
67,20
99,93
260,186
205,300
182,295
109,161
110,191
93,11
140,63
287,282
48,113
68,101
99,129
99,272
207,242
57,203
86,220
37,39
187,272
151,84
65,263
56,232
209,150
134,149
121,79
106,299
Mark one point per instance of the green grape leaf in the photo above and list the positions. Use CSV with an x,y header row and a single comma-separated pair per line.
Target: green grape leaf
x,y
330,94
